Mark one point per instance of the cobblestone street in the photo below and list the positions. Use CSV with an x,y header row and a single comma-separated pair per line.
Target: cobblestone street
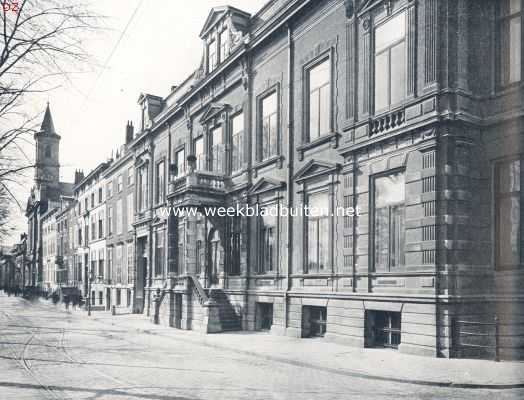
x,y
46,352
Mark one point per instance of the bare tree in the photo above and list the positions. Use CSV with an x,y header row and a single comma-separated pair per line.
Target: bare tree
x,y
40,40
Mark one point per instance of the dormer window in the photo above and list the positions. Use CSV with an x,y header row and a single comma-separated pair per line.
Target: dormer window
x,y
212,55
224,44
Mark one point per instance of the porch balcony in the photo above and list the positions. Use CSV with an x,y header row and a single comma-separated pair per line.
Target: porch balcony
x,y
198,188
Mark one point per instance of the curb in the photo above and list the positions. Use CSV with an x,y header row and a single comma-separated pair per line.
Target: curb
x,y
303,364
349,373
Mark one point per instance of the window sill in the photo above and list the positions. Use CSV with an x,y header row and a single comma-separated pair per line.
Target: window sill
x,y
269,161
331,138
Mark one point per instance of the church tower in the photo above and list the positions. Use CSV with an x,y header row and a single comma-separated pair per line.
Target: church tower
x,y
47,168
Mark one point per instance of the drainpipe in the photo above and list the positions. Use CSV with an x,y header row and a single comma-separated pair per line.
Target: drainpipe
x,y
291,149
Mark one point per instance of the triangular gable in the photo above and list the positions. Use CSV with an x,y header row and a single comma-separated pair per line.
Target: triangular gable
x,y
315,168
214,15
266,185
212,110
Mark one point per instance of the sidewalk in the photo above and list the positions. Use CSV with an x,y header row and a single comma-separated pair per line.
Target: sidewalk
x,y
379,364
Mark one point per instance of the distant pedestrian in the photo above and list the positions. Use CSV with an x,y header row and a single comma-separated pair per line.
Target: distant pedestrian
x,y
67,301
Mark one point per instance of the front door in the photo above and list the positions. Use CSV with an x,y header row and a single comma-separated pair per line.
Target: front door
x,y
215,257
108,299
141,265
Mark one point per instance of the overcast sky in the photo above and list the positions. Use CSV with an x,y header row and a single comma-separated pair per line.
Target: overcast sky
x,y
159,49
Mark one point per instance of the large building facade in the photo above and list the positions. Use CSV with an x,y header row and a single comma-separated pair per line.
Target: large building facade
x,y
339,104
408,111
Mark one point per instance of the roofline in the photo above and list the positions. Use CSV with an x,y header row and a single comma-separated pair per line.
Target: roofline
x,y
98,169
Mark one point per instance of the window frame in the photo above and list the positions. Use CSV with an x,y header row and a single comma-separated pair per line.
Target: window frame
x,y
503,22
200,162
160,187
211,149
390,106
372,236
273,90
232,134
180,171
326,56
261,240
497,196
329,266
213,43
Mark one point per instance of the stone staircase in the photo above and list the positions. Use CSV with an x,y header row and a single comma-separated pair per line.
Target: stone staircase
x,y
229,319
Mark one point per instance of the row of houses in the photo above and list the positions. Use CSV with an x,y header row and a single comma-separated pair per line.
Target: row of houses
x,y
410,110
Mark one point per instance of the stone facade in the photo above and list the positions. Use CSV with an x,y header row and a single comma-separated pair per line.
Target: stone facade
x,y
404,110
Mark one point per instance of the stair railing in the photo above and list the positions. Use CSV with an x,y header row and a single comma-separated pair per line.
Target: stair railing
x,y
199,290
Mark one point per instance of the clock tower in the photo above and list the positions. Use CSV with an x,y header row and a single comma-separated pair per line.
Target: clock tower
x,y
47,167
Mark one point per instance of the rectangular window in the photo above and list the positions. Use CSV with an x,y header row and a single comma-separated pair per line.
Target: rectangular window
x,y
269,126
130,176
118,296
159,252
120,183
180,161
388,222
109,189
118,264
94,260
142,189
110,220
318,232
130,211
211,56
181,255
160,182
109,273
507,213
100,195
130,262
119,217
390,62
268,241
101,264
216,149
200,154
319,100
101,225
237,142
224,44
93,227
510,32
92,200
383,329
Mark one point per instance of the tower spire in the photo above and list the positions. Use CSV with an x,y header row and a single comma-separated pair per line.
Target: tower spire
x,y
47,124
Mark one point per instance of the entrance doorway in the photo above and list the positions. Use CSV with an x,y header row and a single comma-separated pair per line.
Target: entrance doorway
x,y
108,299
216,254
264,316
141,268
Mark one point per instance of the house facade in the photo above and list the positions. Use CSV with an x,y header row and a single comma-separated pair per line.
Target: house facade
x,y
374,105
401,120
120,206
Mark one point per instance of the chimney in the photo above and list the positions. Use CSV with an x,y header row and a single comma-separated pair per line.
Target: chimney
x,y
79,175
129,131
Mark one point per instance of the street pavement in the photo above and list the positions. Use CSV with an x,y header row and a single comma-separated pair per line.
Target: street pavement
x,y
48,353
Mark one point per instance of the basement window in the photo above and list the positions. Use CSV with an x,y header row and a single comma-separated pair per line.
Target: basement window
x,y
383,329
